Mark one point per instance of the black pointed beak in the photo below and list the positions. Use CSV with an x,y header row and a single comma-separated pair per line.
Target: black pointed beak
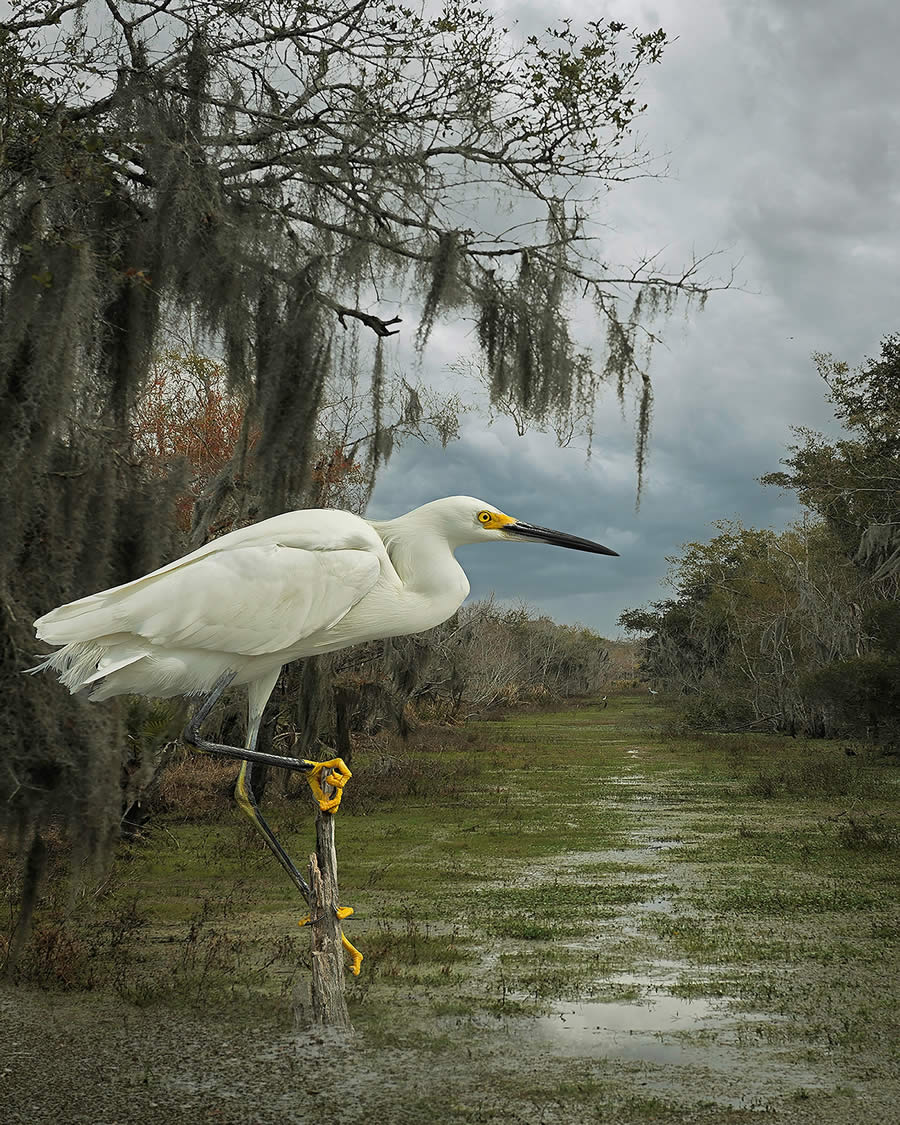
x,y
557,538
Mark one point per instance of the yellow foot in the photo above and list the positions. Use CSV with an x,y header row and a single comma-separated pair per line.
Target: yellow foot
x,y
338,777
356,957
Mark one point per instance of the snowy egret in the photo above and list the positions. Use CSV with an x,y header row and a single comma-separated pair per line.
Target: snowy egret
x,y
242,606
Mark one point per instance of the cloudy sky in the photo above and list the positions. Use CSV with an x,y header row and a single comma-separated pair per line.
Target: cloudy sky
x,y
780,122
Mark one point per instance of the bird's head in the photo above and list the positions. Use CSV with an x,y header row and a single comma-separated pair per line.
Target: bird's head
x,y
463,519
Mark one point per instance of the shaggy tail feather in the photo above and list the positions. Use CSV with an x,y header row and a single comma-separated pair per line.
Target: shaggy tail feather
x,y
123,665
81,663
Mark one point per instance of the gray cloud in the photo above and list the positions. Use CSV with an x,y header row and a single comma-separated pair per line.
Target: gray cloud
x,y
781,122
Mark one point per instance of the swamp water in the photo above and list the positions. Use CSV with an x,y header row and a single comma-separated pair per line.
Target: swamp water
x,y
607,929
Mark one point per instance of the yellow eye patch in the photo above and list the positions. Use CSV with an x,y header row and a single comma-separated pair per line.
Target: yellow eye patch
x,y
494,520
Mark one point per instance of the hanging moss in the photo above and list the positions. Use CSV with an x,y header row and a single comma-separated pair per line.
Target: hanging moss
x,y
209,183
443,267
291,371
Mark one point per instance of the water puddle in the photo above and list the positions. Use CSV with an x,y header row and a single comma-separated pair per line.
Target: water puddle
x,y
660,905
630,1030
632,787
637,854
657,1028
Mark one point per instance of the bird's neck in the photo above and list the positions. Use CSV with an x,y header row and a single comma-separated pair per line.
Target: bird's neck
x,y
424,562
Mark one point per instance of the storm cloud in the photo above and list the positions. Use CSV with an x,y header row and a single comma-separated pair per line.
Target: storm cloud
x,y
778,124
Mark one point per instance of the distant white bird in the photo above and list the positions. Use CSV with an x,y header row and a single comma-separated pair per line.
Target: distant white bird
x,y
652,692
242,606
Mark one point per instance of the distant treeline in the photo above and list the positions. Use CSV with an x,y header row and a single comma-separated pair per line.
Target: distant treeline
x,y
484,657
799,631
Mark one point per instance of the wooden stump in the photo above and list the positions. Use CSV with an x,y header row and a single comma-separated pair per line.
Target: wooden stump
x,y
327,1006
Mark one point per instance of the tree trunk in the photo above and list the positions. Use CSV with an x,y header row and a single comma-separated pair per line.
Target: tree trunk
x,y
345,700
33,878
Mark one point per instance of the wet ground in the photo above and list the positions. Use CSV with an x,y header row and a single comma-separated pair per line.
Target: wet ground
x,y
688,954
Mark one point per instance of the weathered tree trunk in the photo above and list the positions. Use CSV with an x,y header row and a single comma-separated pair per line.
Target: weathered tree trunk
x,y
33,877
345,699
327,1005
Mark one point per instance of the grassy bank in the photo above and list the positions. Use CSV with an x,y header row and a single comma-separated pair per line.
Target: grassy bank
x,y
565,916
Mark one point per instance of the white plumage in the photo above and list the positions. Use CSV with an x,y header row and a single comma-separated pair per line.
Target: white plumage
x,y
244,601
295,585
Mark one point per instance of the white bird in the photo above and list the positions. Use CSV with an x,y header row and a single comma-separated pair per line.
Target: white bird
x,y
242,606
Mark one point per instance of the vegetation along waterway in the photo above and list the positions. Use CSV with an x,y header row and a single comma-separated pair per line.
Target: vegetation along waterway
x,y
566,917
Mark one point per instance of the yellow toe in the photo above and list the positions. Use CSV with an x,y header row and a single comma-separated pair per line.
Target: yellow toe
x,y
338,778
356,958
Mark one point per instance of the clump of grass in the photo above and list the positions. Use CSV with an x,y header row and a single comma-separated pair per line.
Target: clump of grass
x,y
83,941
108,936
868,834
408,956
753,897
584,900
767,784
56,957
393,777
430,768
195,787
525,929
740,744
816,775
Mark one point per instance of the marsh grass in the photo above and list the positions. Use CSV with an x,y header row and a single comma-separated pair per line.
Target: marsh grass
x,y
865,833
435,770
110,942
434,764
520,862
194,788
817,775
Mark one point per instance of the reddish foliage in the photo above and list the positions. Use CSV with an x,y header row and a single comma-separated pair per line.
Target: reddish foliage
x,y
334,467
187,411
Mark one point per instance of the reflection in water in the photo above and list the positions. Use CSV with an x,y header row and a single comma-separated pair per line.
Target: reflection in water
x,y
630,1030
696,1032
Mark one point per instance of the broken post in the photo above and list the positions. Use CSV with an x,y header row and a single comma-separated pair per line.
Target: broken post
x,y
327,1001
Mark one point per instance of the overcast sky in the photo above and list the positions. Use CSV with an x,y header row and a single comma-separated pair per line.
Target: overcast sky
x,y
780,120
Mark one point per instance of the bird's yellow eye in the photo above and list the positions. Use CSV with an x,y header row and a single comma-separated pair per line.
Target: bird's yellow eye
x,y
485,517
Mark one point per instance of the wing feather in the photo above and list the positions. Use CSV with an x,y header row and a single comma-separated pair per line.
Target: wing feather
x,y
250,600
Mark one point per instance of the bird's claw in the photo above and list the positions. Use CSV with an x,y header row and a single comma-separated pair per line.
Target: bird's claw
x,y
338,778
356,958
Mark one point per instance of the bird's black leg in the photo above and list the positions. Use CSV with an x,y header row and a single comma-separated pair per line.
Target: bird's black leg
x,y
314,770
191,733
259,693
243,794
243,791
246,802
